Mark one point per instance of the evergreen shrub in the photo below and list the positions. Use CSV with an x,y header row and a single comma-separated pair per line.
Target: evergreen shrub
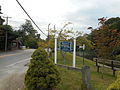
x,y
42,74
116,84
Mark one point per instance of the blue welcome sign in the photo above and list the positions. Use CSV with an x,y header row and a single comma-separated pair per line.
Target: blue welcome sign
x,y
66,46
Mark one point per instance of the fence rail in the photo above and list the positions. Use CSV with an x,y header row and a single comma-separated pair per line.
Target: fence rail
x,y
114,65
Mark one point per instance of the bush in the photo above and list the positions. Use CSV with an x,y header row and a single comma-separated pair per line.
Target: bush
x,y
42,74
116,84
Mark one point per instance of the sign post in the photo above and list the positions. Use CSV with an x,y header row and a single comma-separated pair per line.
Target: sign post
x,y
55,58
83,47
74,53
83,54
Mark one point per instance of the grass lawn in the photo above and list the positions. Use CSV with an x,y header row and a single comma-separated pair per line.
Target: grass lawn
x,y
71,80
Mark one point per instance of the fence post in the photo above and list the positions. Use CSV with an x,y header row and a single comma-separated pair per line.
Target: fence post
x,y
86,78
112,65
96,62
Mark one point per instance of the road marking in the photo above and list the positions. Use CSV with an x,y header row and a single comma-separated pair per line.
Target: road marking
x,y
8,66
1,56
18,62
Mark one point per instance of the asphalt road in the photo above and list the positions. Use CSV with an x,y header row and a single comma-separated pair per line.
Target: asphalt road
x,y
14,61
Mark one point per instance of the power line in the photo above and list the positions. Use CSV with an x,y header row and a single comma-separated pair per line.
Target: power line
x,y
30,17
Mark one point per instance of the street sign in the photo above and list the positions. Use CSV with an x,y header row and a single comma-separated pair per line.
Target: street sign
x,y
83,47
66,46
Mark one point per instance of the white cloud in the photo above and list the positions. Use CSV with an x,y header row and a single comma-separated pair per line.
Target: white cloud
x,y
83,13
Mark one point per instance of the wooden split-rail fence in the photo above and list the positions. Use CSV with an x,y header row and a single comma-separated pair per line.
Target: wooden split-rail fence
x,y
112,64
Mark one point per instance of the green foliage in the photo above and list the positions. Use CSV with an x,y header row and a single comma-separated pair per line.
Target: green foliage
x,y
42,74
27,29
5,27
30,41
11,35
106,38
117,57
116,51
28,35
89,50
46,44
113,23
83,40
116,84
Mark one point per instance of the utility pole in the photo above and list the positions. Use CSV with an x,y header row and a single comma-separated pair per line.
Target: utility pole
x,y
6,36
7,19
48,31
48,38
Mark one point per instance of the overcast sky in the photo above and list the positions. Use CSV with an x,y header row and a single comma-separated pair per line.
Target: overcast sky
x,y
82,13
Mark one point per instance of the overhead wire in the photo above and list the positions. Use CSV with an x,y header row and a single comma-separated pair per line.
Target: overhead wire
x,y
30,17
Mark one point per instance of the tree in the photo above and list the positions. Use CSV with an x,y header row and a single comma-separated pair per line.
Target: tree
x,y
28,35
11,35
65,34
114,24
46,44
83,40
27,29
105,40
89,49
42,74
30,41
102,42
